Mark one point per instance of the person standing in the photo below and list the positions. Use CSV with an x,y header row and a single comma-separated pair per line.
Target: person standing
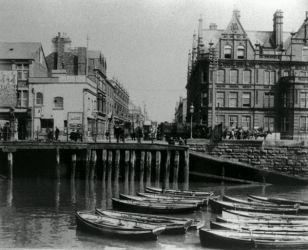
x,y
57,131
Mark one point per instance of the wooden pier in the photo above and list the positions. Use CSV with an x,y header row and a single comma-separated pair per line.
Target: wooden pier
x,y
158,162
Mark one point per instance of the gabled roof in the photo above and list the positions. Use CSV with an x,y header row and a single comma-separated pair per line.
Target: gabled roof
x,y
19,50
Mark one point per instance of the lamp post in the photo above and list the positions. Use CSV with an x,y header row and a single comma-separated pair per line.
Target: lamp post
x,y
191,116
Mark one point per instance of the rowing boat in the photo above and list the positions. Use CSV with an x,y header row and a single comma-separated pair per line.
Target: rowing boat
x,y
152,207
238,240
233,214
261,228
217,206
182,199
173,225
275,221
280,201
117,227
247,202
178,192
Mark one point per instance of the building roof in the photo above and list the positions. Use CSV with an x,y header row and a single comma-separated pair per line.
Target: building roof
x,y
19,50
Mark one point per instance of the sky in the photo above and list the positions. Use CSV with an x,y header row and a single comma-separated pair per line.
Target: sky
x,y
145,42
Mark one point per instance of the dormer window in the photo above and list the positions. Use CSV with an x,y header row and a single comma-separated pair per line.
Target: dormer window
x,y
240,52
227,51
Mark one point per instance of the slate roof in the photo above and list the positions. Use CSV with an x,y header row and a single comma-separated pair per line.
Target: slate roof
x,y
19,50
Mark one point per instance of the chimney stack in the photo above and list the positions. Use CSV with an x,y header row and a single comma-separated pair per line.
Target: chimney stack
x,y
278,28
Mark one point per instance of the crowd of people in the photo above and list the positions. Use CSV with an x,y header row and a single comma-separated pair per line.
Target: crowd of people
x,y
241,134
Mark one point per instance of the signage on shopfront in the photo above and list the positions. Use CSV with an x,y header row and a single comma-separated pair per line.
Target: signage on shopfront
x,y
8,85
74,122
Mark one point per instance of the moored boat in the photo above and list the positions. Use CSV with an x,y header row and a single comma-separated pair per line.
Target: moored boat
x,y
117,227
217,206
152,207
260,221
261,228
178,192
173,225
279,200
233,214
237,239
247,202
166,197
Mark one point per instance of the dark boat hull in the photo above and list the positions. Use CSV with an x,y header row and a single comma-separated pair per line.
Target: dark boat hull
x,y
209,238
110,231
152,208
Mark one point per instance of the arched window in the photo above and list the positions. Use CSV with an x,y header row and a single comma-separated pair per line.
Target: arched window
x,y
58,102
228,51
39,98
247,77
240,52
221,76
233,76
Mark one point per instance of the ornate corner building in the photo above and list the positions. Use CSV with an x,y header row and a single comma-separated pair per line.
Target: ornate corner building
x,y
255,79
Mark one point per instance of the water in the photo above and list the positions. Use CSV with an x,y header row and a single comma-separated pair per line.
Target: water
x,y
38,212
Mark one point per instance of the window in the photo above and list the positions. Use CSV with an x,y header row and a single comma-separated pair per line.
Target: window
x,y
233,119
246,122
272,77
227,51
203,99
233,76
247,77
304,99
285,73
22,98
220,119
305,54
268,123
285,100
303,123
240,52
246,100
22,72
220,99
58,102
220,76
233,100
285,124
39,98
268,100
269,77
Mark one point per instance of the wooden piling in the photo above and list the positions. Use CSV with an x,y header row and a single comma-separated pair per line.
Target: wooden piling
x,y
116,172
104,164
10,164
87,163
141,171
186,170
93,164
157,168
148,169
57,155
109,166
126,171
176,170
132,172
73,166
167,170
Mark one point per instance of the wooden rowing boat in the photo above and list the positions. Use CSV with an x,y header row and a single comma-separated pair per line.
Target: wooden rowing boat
x,y
182,199
247,202
117,227
280,201
173,225
233,214
217,206
193,193
239,240
151,207
261,228
275,221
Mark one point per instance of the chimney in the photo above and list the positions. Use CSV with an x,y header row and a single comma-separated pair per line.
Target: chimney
x,y
278,28
213,26
61,44
306,15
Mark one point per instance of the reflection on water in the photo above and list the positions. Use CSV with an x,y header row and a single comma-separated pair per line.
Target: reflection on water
x,y
39,212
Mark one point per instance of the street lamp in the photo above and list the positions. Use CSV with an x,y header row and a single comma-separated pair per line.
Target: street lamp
x,y
191,116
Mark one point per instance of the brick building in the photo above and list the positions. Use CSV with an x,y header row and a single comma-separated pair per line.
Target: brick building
x,y
256,79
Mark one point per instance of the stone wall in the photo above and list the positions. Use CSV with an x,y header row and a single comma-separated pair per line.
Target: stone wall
x,y
287,157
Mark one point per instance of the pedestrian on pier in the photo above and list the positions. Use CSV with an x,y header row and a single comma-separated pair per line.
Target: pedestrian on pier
x,y
57,131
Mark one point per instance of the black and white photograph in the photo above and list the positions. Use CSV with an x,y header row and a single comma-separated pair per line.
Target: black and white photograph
x,y
154,124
